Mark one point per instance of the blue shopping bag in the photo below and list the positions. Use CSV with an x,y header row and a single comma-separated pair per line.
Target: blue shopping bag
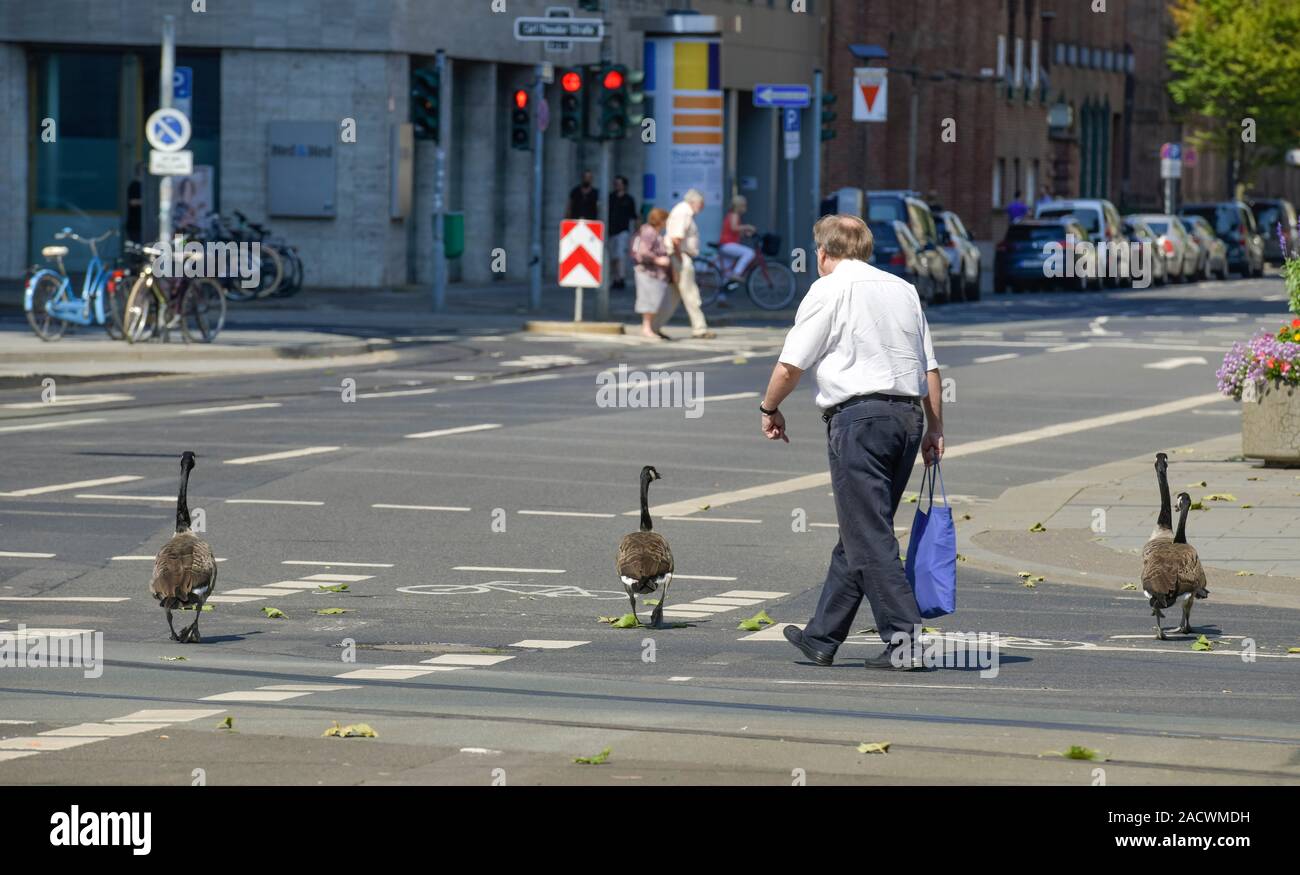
x,y
932,552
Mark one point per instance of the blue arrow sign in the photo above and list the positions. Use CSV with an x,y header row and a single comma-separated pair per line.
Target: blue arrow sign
x,y
770,96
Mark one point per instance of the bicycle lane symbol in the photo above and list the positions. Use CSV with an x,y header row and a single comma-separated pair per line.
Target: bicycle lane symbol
x,y
513,587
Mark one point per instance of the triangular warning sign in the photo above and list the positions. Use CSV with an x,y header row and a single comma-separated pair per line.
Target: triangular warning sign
x,y
869,93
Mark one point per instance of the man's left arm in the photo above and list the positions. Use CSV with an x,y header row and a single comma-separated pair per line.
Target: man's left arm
x,y
782,382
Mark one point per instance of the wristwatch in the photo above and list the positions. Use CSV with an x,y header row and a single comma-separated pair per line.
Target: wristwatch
x,y
765,411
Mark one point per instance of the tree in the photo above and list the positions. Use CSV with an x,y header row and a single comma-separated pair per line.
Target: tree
x,y
1237,78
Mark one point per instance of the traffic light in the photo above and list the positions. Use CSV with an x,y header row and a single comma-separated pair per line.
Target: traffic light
x,y
521,133
635,98
572,101
828,116
613,102
426,103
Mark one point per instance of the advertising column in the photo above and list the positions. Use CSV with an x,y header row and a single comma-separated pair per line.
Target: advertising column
x,y
683,85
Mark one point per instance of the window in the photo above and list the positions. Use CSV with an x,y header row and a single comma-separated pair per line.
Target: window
x,y
1060,53
79,170
998,169
1072,55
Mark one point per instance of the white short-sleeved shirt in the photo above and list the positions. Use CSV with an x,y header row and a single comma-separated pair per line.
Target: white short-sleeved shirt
x,y
863,331
681,224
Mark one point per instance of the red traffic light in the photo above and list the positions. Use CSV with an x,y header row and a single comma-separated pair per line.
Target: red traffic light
x,y
521,99
571,82
613,80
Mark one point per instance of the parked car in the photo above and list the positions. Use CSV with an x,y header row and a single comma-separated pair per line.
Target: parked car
x,y
908,207
1021,258
897,251
1269,213
1216,251
1184,257
963,256
1234,224
1098,217
1140,232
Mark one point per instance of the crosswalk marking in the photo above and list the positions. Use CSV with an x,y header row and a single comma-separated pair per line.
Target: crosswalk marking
x,y
310,688
255,696
339,578
167,715
770,633
228,599
37,744
286,454
422,507
36,426
231,408
263,591
274,501
339,564
466,659
732,602
381,674
751,594
63,400
443,432
701,577
6,755
13,554
103,730
508,570
63,598
700,608
79,484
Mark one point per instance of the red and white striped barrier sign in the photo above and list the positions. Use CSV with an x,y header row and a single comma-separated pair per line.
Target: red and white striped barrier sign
x,y
582,253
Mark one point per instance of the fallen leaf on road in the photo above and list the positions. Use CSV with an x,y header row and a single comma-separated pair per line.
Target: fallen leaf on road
x,y
1130,586
338,587
1293,650
1219,496
1202,643
228,723
334,611
1078,752
274,613
705,506
1038,527
756,622
1252,478
206,608
352,730
650,602
1201,484
966,516
740,360
1244,506
961,558
1196,505
174,658
598,760
1245,574
627,621
932,629
874,747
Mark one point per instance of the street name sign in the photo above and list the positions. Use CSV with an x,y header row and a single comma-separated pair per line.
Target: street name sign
x,y
582,253
578,30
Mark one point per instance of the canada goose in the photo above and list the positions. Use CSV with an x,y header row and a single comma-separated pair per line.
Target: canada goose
x,y
184,572
644,559
1170,566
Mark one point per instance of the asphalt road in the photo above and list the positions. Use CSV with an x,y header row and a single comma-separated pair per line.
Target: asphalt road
x,y
508,487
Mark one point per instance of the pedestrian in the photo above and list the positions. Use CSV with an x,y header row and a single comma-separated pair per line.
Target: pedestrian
x,y
652,270
864,333
584,200
733,229
683,237
1016,210
622,225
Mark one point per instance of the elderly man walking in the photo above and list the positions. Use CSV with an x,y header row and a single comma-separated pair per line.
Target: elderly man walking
x,y
864,332
683,238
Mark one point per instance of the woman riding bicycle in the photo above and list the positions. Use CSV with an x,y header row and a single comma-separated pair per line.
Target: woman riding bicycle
x,y
733,229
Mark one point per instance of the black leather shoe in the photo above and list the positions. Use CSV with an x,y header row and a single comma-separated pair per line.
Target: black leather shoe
x,y
886,661
794,635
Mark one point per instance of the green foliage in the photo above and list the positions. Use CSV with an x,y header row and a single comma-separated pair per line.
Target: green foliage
x,y
1291,271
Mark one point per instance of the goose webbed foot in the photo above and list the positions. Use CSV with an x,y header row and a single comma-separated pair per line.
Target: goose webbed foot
x,y
657,616
174,636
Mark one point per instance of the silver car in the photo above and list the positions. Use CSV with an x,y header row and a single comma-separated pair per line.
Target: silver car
x,y
1184,257
963,256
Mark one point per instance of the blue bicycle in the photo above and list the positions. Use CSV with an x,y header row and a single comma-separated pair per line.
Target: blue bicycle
x,y
51,303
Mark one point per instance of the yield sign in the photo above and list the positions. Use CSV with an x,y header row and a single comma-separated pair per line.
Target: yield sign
x,y
870,94
582,253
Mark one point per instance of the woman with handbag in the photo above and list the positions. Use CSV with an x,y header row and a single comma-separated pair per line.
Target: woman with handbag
x,y
653,270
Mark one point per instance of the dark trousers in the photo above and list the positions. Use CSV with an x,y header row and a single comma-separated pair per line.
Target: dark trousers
x,y
872,447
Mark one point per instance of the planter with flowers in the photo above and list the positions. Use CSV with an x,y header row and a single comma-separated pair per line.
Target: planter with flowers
x,y
1264,374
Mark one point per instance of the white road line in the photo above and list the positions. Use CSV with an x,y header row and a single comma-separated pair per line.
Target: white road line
x,y
533,379
697,607
711,359
310,688
397,393
287,454
718,600
733,397
222,598
255,696
36,426
63,598
232,408
62,400
566,513
106,497
35,743
13,554
751,594
548,644
422,507
705,519
464,429
338,564
263,591
1171,363
700,577
681,678
79,484
1069,347
810,481
988,359
274,501
167,715
508,570
771,633
103,730
340,578
466,659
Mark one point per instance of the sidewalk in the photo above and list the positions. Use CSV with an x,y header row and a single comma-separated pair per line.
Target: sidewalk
x,y
1249,540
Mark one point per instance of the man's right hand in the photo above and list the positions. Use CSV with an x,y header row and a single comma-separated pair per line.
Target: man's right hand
x,y
932,447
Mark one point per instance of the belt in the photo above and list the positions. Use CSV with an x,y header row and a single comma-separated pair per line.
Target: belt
x,y
874,396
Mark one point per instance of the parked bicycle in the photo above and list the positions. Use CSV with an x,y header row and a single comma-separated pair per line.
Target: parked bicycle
x,y
51,304
769,284
291,280
158,304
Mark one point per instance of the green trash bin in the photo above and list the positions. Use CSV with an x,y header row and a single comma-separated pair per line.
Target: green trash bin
x,y
453,234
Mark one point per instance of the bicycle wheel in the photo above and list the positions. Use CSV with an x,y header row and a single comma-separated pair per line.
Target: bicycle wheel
x,y
203,310
709,280
272,271
114,291
47,290
771,285
292,284
140,316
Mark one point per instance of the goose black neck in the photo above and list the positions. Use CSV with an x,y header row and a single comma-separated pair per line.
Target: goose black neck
x,y
1166,518
1180,537
182,506
645,505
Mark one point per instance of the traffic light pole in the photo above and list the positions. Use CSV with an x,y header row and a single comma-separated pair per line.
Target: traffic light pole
x,y
535,247
816,200
166,70
603,189
440,192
